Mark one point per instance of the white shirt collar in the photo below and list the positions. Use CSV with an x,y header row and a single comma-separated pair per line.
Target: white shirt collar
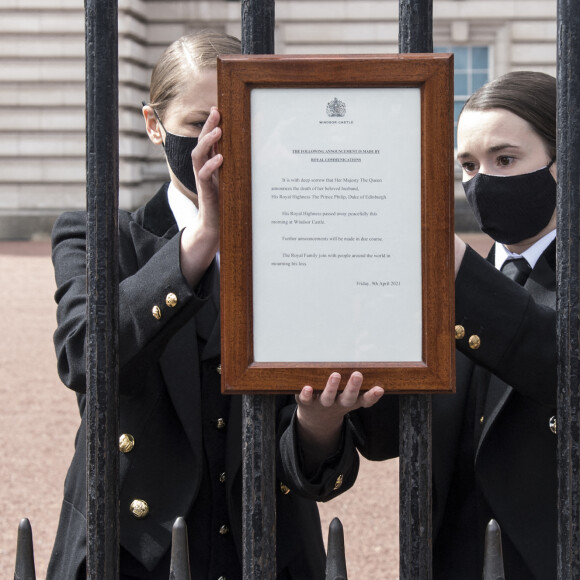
x,y
531,255
184,210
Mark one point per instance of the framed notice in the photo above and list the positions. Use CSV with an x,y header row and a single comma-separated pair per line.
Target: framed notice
x,y
336,197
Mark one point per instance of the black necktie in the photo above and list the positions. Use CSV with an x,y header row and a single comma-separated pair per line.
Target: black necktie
x,y
518,270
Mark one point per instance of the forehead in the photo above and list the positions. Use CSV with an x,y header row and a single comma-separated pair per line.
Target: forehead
x,y
486,129
198,93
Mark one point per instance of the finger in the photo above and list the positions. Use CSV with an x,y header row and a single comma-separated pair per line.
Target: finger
x,y
306,396
210,124
328,395
371,397
204,149
349,395
207,170
208,137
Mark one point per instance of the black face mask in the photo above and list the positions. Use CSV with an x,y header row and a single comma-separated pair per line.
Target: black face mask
x,y
513,208
178,152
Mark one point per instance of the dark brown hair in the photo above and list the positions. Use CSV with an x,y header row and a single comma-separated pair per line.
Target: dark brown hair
x,y
529,95
183,58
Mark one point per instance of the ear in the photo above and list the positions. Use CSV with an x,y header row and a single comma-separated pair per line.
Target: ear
x,y
152,125
554,171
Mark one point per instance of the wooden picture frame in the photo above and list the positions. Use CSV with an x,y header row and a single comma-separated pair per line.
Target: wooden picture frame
x,y
381,127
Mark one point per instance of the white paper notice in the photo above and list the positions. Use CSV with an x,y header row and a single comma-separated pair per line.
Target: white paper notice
x,y
336,224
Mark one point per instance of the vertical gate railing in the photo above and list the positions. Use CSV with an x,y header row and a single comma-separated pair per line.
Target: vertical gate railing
x,y
568,260
258,418
335,557
493,553
179,568
24,569
102,289
415,555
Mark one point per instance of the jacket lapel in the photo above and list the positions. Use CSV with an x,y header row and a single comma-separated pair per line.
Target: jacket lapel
x,y
497,396
153,226
541,283
156,216
542,286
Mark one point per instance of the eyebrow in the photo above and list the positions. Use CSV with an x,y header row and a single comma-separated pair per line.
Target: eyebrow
x,y
493,149
196,114
502,146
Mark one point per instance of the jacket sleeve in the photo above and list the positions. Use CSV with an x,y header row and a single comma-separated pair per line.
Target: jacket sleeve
x,y
517,335
377,429
142,336
334,476
373,432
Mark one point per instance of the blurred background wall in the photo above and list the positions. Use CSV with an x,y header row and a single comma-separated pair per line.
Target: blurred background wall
x,y
42,85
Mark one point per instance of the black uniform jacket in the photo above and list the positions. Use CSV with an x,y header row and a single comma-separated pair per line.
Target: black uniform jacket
x,y
161,375
515,365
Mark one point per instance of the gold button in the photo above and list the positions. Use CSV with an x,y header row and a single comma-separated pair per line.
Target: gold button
x,y
139,508
554,425
126,443
459,332
338,483
220,423
284,488
224,530
474,342
223,477
171,300
481,419
156,312
218,369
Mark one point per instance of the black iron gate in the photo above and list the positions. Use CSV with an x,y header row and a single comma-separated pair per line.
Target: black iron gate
x,y
258,411
568,271
415,35
102,289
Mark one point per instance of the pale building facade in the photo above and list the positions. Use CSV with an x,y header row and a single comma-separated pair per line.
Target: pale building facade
x,y
42,94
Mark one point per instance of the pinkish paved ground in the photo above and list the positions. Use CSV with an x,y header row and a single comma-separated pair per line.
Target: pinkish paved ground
x,y
39,417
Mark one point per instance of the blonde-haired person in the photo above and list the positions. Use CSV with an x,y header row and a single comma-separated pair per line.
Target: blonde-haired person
x,y
181,444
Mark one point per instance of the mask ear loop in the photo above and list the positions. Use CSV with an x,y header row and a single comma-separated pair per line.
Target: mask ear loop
x,y
547,166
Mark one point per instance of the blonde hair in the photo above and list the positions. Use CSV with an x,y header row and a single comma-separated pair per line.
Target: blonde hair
x,y
186,56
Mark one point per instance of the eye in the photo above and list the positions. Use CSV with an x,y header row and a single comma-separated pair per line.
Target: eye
x,y
505,161
469,166
197,121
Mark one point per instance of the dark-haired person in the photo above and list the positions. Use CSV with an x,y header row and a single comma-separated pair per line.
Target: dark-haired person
x,y
494,441
180,439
